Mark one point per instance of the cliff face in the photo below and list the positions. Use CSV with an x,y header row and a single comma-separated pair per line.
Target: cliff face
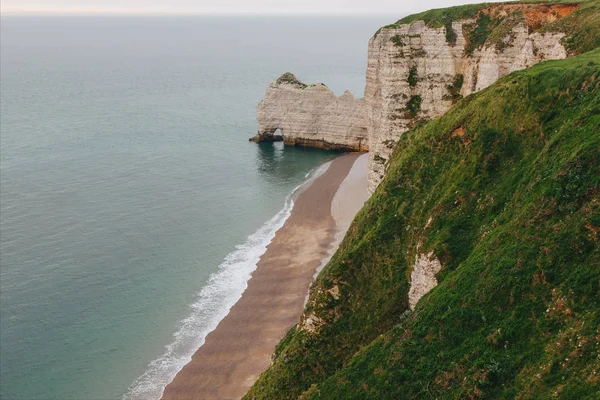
x,y
311,116
474,269
473,272
417,70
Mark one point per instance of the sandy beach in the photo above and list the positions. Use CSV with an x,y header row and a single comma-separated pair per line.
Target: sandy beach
x,y
240,348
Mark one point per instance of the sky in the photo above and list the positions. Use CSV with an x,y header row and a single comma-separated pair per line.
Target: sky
x,y
224,6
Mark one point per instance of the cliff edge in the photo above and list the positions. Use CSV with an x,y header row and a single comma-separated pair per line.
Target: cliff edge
x,y
420,66
473,271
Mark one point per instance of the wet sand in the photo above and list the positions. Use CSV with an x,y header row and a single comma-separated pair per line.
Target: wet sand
x,y
240,348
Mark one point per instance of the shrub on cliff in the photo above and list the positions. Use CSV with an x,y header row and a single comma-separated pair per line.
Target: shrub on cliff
x,y
454,89
291,79
413,106
413,77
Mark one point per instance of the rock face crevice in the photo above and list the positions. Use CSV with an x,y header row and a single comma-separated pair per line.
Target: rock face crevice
x,y
303,115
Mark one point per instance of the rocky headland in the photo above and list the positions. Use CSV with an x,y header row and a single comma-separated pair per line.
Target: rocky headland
x,y
311,115
473,270
417,69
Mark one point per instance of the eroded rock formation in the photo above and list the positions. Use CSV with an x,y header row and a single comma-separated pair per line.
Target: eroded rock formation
x,y
422,277
312,115
416,72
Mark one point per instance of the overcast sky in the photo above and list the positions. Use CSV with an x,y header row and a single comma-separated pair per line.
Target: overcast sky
x,y
227,6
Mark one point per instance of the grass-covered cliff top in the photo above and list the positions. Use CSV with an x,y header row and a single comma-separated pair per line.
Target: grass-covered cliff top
x,y
290,79
580,20
504,190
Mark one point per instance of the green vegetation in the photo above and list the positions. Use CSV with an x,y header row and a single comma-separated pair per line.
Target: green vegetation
x,y
454,88
397,40
290,78
413,77
438,18
413,106
478,34
505,190
451,35
444,17
498,37
582,28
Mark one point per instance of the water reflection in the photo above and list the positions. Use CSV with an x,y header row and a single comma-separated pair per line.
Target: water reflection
x,y
276,162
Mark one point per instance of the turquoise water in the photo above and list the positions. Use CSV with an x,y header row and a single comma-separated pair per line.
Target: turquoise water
x,y
132,205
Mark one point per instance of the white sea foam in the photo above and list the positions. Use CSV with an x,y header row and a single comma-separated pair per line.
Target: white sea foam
x,y
223,289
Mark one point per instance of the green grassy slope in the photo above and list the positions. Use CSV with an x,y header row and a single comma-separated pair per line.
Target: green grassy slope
x,y
504,190
582,27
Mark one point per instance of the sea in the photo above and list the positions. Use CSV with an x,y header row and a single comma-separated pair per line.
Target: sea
x,y
133,207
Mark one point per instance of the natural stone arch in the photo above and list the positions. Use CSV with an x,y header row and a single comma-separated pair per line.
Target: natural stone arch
x,y
311,115
272,134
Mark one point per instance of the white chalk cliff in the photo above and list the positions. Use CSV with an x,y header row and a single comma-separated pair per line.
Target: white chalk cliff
x,y
422,277
415,73
312,115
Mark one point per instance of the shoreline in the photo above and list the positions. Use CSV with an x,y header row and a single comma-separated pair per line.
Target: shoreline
x,y
240,348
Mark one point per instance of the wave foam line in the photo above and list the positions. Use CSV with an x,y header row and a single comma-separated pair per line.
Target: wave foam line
x,y
223,289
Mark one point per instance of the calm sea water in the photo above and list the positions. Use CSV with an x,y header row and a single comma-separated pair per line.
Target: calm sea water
x,y
133,208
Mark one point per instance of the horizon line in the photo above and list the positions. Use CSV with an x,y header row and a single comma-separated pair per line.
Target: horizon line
x,y
121,12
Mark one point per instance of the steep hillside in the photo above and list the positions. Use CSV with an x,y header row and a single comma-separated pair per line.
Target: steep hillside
x,y
502,193
421,65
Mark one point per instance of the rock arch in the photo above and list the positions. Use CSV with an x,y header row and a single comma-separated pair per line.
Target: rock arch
x,y
311,115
